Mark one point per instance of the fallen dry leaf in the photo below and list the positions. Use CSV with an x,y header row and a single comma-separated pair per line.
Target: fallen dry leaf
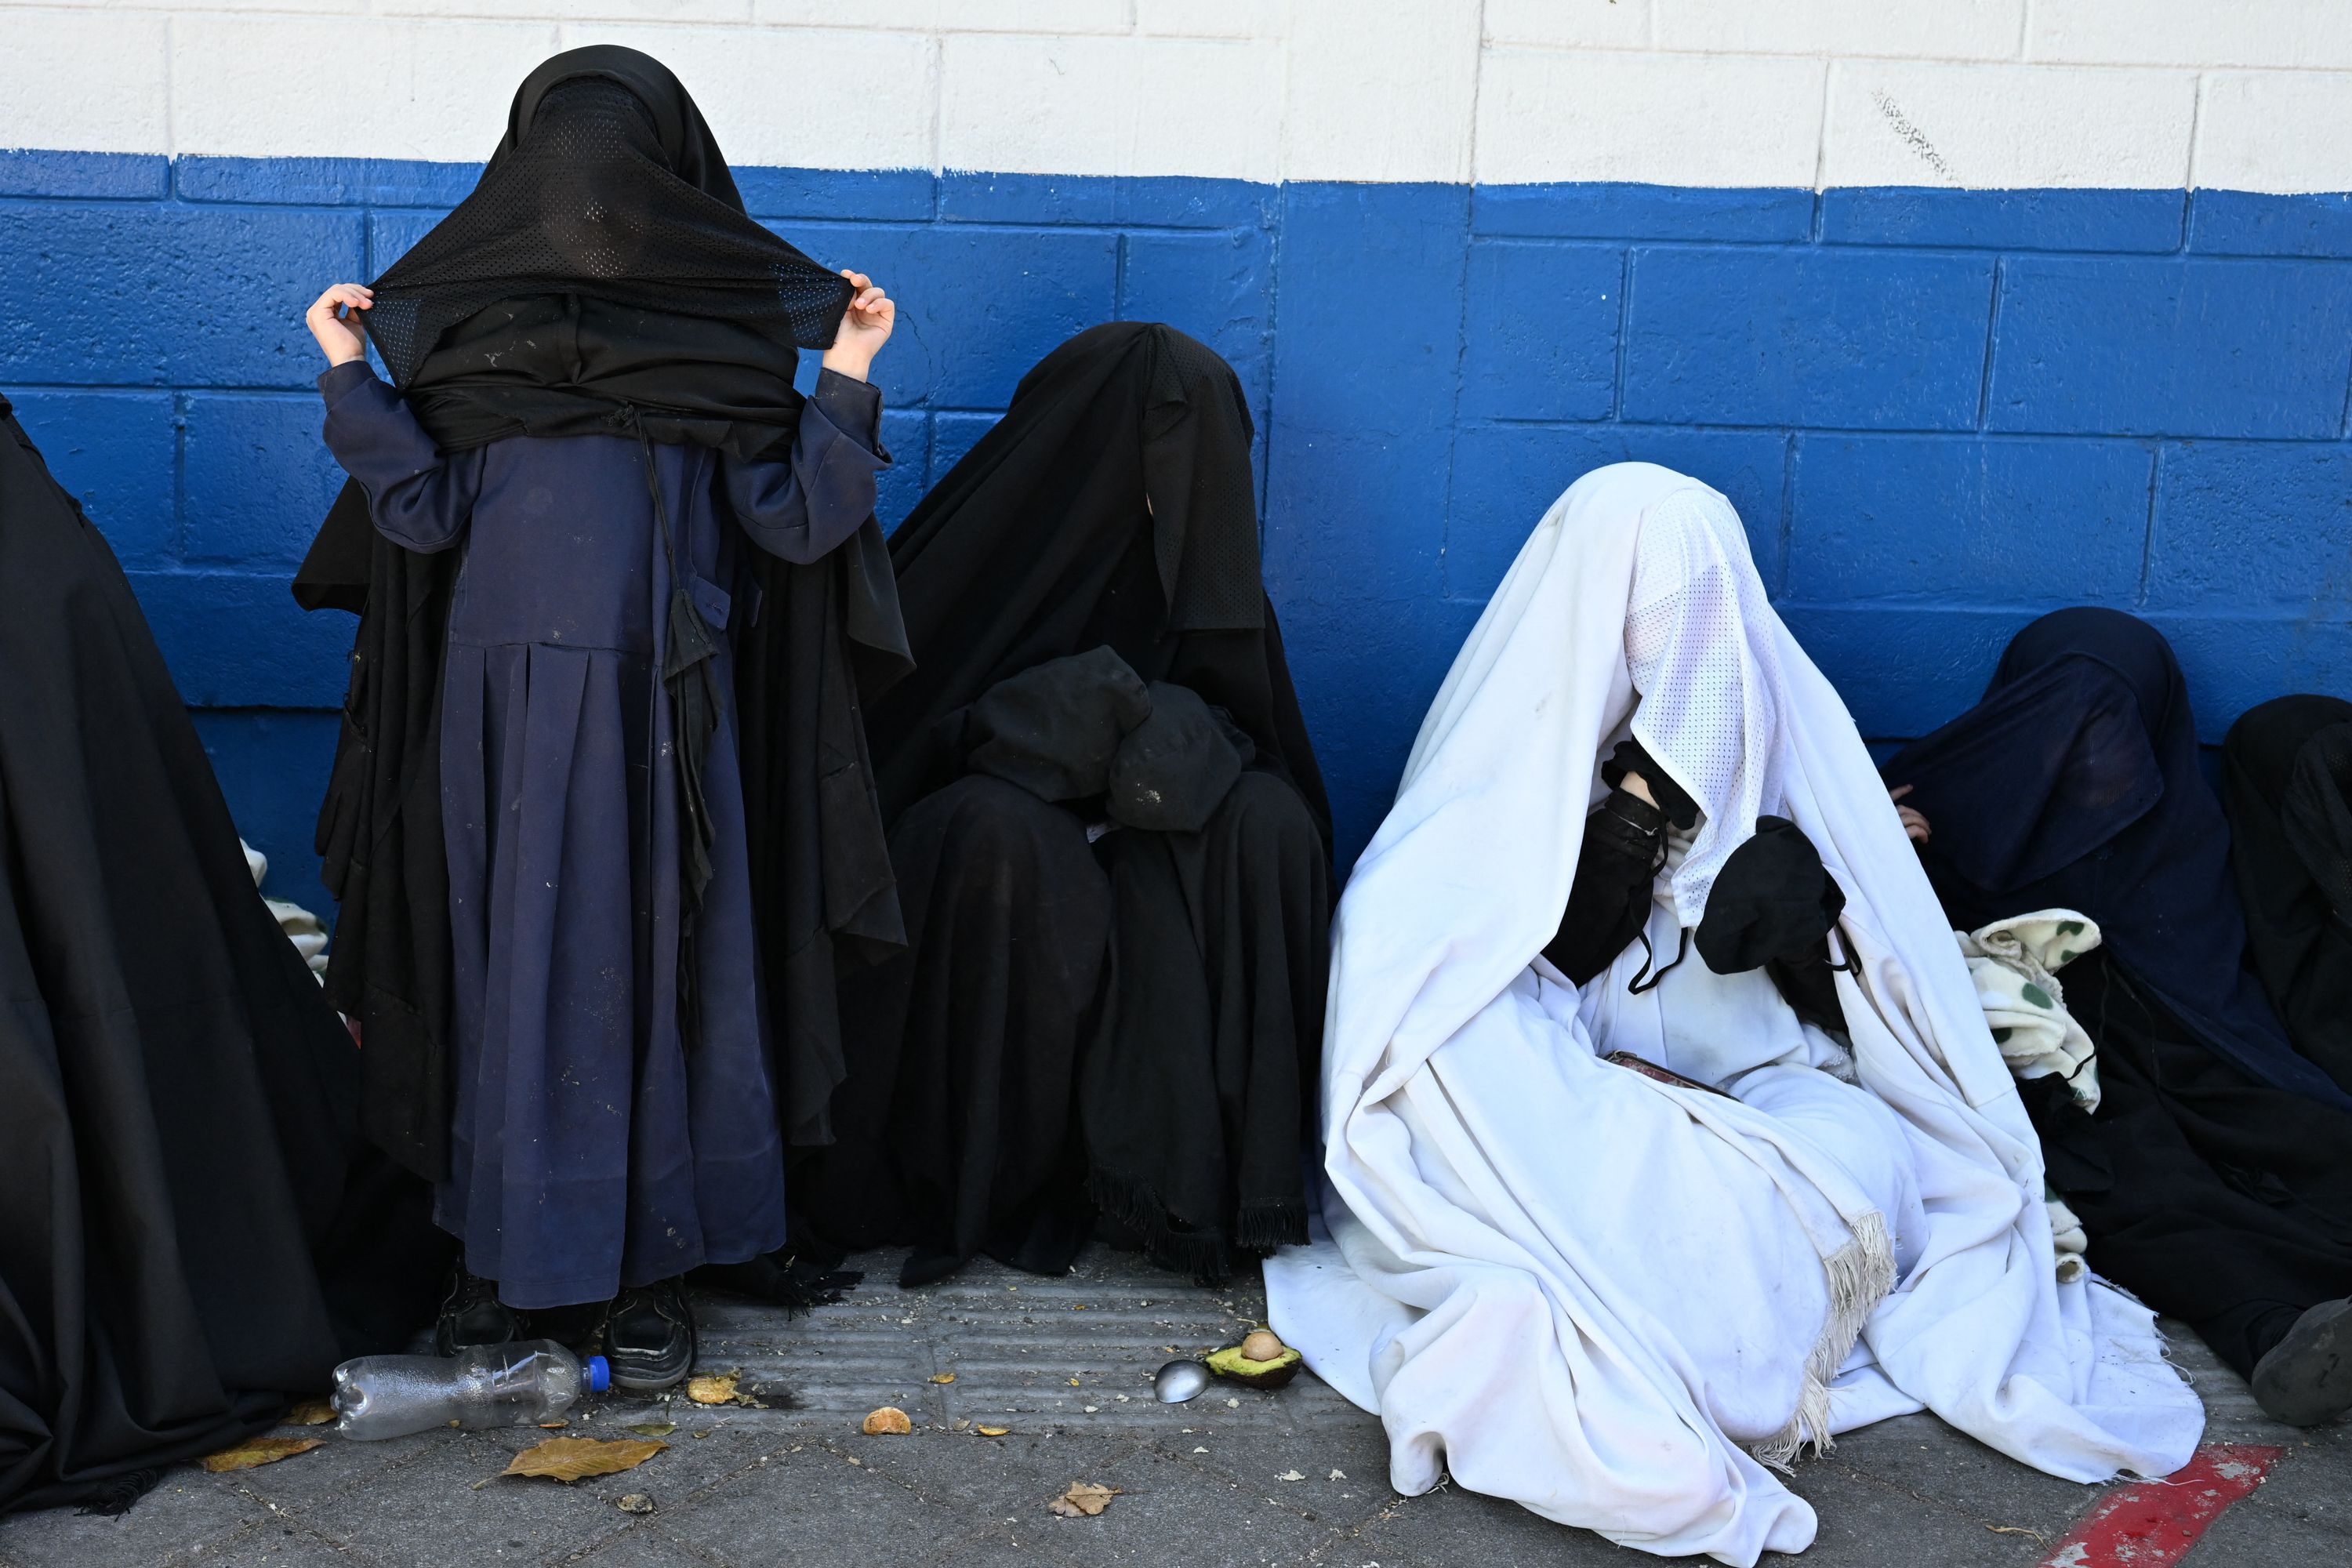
x,y
1082,1500
656,1429
1339,1474
992,1431
943,1378
310,1413
1290,1476
569,1459
258,1451
889,1420
636,1502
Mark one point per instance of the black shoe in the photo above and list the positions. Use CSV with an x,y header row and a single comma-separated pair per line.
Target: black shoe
x,y
2307,1377
472,1315
649,1338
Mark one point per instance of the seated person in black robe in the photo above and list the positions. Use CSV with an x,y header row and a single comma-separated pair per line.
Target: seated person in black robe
x,y
1112,849
192,1231
2214,1180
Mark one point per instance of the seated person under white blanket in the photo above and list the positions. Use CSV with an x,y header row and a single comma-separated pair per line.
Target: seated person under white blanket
x,y
1664,1135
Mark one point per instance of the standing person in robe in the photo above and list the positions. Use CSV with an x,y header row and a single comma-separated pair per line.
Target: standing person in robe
x,y
2214,1180
1615,1249
1111,841
192,1231
2286,782
601,807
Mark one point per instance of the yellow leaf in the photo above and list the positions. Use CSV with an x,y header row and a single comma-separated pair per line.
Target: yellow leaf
x,y
714,1390
1082,1500
888,1421
656,1429
943,1378
310,1413
259,1451
576,1459
993,1431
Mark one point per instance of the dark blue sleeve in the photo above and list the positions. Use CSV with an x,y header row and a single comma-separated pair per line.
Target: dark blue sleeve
x,y
800,508
419,499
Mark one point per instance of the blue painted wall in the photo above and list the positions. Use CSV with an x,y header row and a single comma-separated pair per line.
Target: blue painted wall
x,y
1940,413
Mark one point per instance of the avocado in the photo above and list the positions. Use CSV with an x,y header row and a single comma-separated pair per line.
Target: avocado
x,y
1231,1363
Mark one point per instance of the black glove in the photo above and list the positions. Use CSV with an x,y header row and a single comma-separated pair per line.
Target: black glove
x,y
1625,845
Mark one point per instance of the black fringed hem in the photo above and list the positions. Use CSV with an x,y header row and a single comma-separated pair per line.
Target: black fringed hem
x,y
112,1498
1208,1256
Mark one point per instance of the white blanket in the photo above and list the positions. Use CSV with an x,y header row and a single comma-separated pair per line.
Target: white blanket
x,y
1591,1292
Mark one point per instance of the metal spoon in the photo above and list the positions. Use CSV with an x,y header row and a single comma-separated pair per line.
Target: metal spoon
x,y
1179,1381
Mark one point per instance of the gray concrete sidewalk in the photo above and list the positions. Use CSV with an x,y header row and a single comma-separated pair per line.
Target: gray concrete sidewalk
x,y
1064,1365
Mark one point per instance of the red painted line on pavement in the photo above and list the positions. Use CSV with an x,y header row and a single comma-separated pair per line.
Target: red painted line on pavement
x,y
2152,1524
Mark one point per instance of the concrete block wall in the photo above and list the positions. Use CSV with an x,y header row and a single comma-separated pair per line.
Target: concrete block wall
x,y
1975,307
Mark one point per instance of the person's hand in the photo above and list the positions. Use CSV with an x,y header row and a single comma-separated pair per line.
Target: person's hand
x,y
1914,825
1638,787
864,328
334,322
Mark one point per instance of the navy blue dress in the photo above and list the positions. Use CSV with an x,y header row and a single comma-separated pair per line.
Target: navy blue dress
x,y
593,1146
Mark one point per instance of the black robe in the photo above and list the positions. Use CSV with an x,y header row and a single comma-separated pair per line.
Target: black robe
x,y
2215,1179
191,1229
1132,1020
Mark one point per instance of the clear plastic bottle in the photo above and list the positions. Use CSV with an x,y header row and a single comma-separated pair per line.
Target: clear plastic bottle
x,y
515,1384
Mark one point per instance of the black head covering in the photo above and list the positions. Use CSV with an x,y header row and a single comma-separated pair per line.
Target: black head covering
x,y
607,185
2076,783
1112,506
2287,778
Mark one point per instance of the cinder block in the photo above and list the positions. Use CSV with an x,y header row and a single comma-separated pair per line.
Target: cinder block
x,y
953,435
834,97
977,307
1507,475
115,453
324,182
389,236
1903,670
1376,92
2275,131
236,639
2253,527
2245,223
1850,339
2002,521
1370,324
84,82
2233,662
2308,33
2126,346
434,90
1212,19
103,175
1217,287
1355,522
1916,123
258,479
124,294
952,15
2004,220
1624,25
903,194
1604,209
1539,331
1947,31
907,434
573,12
1109,106
273,768
1676,120
1166,201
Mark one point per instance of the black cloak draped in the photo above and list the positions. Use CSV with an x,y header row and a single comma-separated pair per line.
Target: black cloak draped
x,y
1138,1009
2287,778
603,279
191,1231
2215,1179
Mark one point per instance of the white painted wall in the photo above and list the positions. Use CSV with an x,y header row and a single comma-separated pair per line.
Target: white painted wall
x,y
2245,94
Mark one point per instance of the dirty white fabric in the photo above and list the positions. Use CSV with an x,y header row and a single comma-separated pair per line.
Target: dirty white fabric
x,y
2013,964
2068,1240
306,930
1576,1286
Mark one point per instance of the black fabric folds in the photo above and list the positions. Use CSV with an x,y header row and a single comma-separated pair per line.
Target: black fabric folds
x,y
2076,783
1772,899
190,1230
1134,1021
2286,780
668,315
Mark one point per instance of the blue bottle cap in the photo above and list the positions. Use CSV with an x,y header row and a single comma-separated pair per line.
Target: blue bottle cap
x,y
599,1373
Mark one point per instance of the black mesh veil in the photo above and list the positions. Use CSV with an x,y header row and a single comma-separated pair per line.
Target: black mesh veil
x,y
608,185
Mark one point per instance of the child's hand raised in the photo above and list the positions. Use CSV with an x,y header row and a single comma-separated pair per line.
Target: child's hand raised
x,y
864,328
334,322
